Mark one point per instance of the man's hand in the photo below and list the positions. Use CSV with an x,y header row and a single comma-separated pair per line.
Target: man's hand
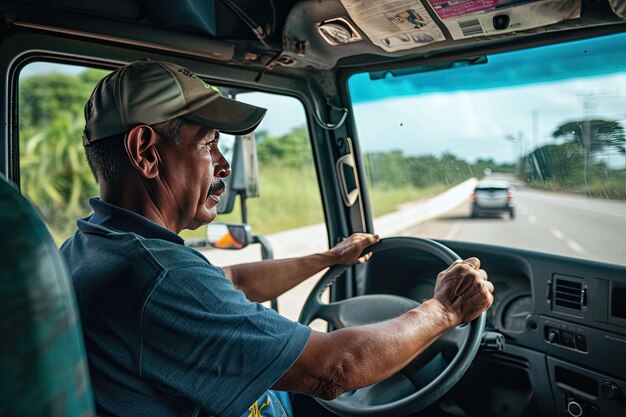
x,y
349,250
356,356
464,291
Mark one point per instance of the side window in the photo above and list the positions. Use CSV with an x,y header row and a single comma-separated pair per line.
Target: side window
x,y
54,173
56,177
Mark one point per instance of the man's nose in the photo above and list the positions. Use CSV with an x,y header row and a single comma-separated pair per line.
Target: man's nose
x,y
222,167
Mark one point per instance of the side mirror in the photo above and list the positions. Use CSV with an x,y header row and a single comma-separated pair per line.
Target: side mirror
x,y
228,235
244,178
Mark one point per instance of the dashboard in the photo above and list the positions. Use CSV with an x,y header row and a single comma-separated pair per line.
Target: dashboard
x,y
563,319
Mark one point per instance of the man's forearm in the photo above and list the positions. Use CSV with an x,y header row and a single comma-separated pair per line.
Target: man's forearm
x,y
262,281
355,357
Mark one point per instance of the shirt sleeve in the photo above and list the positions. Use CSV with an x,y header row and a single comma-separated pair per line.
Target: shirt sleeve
x,y
201,337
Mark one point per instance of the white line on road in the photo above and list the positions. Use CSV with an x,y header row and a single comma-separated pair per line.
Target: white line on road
x,y
557,234
532,219
574,246
453,231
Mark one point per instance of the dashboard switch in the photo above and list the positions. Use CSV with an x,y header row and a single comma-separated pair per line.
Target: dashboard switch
x,y
574,408
492,341
609,390
581,342
553,336
567,339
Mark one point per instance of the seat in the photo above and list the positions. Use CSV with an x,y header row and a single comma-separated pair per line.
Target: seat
x,y
43,367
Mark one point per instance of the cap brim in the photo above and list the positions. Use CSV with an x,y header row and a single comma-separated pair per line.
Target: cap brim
x,y
228,116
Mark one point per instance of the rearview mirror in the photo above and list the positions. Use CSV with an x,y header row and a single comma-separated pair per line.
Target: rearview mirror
x,y
244,178
228,235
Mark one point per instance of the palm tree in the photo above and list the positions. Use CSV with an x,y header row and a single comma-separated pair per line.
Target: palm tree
x,y
53,169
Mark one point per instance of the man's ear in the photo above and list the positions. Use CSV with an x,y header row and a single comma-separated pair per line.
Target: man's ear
x,y
140,146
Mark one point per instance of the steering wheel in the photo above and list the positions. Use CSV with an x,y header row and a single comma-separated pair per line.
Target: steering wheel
x,y
413,388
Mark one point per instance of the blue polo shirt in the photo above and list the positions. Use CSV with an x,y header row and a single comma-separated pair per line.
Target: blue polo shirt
x,y
166,332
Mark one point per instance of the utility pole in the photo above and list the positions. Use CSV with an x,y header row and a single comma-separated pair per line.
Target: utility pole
x,y
586,141
520,158
519,141
535,138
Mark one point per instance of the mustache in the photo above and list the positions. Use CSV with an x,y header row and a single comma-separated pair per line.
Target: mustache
x,y
217,187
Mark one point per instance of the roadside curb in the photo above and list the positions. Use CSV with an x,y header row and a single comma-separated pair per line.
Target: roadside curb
x,y
411,214
312,239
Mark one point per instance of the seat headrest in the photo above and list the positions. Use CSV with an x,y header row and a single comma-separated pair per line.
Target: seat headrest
x,y
43,367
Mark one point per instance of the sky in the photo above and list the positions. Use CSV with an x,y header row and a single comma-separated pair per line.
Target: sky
x,y
477,124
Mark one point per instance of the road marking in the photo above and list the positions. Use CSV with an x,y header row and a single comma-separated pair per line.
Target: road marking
x,y
453,231
574,246
557,234
532,219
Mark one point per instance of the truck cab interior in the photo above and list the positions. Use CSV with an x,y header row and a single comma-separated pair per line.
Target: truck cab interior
x,y
383,116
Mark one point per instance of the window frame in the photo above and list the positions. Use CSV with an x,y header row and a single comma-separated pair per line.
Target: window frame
x,y
21,49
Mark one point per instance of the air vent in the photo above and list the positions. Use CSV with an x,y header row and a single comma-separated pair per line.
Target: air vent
x,y
569,294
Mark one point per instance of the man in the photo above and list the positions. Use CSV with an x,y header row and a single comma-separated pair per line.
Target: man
x,y
169,334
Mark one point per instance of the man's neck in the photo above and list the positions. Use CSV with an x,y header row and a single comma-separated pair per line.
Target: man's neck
x,y
138,200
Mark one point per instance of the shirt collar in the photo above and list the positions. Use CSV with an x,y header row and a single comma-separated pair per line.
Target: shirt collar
x,y
122,220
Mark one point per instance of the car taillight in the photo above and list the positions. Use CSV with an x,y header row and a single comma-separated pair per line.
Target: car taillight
x,y
474,196
509,196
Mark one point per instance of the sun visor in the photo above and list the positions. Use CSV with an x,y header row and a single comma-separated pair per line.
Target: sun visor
x,y
619,7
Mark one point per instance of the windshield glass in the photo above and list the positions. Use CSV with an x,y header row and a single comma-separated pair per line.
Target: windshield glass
x,y
524,149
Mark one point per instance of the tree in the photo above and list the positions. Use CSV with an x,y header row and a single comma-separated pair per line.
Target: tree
x,y
593,136
558,164
53,169
291,149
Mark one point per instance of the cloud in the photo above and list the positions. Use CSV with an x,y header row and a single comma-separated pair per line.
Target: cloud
x,y
475,124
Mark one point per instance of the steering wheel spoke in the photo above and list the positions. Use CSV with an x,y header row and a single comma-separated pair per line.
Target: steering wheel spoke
x,y
394,388
364,310
453,338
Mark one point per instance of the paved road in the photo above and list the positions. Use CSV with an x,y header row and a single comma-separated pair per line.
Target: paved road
x,y
562,224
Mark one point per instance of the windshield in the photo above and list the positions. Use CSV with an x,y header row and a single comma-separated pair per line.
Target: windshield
x,y
544,124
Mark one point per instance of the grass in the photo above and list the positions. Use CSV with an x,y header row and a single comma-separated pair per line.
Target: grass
x,y
290,199
608,189
385,200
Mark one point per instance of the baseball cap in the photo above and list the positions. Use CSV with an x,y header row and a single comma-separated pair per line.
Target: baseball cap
x,y
150,92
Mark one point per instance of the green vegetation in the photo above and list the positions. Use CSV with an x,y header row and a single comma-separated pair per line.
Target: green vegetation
x,y
289,199
387,200
394,178
579,164
289,187
54,173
